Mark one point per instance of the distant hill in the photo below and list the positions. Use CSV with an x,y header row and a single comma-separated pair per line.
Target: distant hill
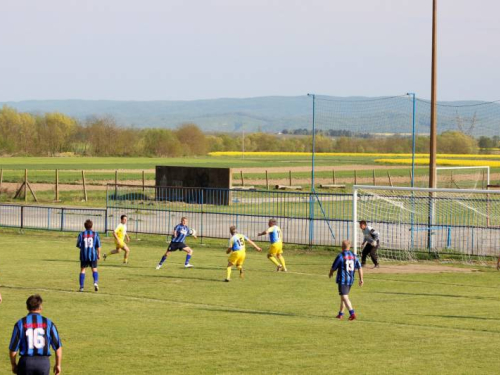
x,y
275,113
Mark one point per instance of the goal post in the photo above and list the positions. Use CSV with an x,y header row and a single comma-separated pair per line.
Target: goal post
x,y
456,174
419,223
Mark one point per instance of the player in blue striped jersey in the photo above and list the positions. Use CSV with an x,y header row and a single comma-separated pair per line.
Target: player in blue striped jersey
x,y
33,337
181,231
346,265
89,244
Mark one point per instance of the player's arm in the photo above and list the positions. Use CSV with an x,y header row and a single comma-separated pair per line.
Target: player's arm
x,y
0,297
14,347
335,266
375,236
98,253
253,244
360,272
115,235
12,356
57,365
127,237
268,230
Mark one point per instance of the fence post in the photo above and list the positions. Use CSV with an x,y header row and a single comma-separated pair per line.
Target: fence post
x,y
1,179
333,176
311,220
48,218
22,217
290,175
116,184
390,180
26,185
374,182
143,182
242,180
84,187
62,219
355,178
57,185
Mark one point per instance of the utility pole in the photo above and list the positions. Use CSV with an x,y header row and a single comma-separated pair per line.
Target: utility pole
x,y
433,143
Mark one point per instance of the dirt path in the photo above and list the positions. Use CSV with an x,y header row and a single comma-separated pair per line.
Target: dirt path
x,y
414,268
320,168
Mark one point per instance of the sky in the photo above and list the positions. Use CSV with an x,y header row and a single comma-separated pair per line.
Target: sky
x,y
205,49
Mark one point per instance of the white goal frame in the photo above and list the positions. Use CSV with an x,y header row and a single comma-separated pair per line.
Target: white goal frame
x,y
356,188
486,167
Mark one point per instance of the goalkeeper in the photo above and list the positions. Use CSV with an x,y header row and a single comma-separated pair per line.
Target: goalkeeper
x,y
370,245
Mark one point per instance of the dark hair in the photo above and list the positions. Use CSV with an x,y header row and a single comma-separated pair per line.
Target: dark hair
x,y
88,224
273,221
34,302
121,217
232,229
362,222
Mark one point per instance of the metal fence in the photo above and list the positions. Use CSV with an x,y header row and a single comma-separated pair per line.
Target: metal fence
x,y
51,218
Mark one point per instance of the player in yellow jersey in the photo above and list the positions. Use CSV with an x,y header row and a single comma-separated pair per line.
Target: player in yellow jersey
x,y
237,251
275,253
120,235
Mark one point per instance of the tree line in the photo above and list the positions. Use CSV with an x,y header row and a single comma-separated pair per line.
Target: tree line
x,y
50,134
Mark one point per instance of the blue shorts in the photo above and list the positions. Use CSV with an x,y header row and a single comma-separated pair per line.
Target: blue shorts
x,y
34,365
88,263
344,289
174,246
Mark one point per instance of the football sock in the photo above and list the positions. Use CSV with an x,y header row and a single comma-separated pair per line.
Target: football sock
x,y
163,259
188,257
228,273
82,280
341,313
282,260
351,312
272,259
96,277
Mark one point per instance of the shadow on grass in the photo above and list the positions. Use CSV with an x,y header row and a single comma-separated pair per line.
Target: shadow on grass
x,y
457,317
436,295
180,278
252,312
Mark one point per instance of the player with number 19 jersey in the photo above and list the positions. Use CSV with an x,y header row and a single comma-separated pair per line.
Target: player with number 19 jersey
x,y
89,244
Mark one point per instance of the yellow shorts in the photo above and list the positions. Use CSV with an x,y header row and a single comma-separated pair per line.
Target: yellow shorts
x,y
237,258
120,244
276,248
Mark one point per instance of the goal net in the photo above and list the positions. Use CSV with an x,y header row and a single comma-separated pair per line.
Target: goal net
x,y
420,223
476,177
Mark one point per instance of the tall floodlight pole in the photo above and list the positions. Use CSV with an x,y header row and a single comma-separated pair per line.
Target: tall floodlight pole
x,y
433,140
433,143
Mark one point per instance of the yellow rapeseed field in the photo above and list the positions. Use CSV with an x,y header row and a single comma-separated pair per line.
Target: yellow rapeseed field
x,y
340,154
452,162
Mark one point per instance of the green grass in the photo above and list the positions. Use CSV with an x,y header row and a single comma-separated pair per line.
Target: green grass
x,y
181,321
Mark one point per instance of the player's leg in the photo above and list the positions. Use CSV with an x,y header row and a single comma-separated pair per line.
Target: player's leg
x,y
228,272
127,252
163,258
364,254
340,315
95,275
82,276
189,254
374,255
116,250
271,256
239,264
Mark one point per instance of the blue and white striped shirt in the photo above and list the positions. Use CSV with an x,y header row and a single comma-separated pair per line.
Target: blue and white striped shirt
x,y
88,242
34,335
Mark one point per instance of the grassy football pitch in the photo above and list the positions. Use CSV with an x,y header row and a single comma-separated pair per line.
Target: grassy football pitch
x,y
187,321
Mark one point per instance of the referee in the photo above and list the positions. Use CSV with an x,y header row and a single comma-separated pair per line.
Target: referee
x,y
32,337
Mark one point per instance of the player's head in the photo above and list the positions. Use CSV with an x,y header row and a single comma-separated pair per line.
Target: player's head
x,y
184,220
88,224
346,245
362,224
124,219
272,222
232,229
34,303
